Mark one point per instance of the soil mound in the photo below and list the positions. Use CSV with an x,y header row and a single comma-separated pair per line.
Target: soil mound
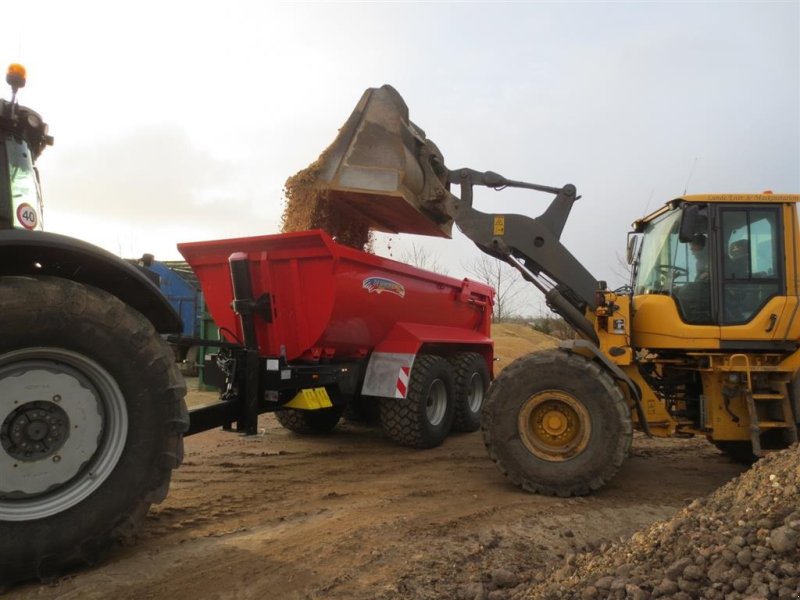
x,y
742,541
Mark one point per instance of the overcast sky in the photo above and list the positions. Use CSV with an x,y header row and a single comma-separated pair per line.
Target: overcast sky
x,y
180,121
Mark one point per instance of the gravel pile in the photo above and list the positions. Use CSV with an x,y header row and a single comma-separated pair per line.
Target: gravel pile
x,y
741,542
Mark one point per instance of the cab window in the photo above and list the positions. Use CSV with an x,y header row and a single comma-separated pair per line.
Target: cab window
x,y
750,261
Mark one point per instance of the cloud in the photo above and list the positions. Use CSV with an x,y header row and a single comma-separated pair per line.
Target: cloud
x,y
155,185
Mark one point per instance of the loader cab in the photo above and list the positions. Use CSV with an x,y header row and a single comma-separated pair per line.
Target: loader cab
x,y
712,273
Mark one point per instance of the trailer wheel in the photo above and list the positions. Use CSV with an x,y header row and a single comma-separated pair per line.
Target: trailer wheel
x,y
424,417
471,383
309,422
362,411
555,423
91,423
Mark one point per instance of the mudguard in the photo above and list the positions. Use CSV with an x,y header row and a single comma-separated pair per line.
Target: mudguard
x,y
42,253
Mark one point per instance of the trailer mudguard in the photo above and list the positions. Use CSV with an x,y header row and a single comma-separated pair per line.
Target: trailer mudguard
x,y
42,253
390,364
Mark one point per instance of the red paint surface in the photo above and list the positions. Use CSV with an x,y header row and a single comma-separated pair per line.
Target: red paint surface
x,y
320,306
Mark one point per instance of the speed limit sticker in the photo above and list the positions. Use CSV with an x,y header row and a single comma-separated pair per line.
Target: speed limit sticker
x,y
26,215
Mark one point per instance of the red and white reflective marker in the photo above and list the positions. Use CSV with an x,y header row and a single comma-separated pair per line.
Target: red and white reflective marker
x,y
402,383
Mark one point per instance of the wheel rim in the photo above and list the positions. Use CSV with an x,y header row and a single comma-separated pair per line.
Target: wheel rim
x,y
554,425
63,427
475,393
436,402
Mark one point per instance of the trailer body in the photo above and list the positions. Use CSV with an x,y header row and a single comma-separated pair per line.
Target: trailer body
x,y
325,317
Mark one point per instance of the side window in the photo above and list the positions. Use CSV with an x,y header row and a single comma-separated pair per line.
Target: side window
x,y
751,271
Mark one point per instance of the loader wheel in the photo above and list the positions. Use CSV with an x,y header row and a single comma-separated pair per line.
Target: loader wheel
x,y
309,422
424,417
91,423
740,451
471,383
555,423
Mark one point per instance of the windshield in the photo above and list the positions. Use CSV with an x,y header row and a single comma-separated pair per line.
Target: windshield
x,y
674,268
26,201
663,260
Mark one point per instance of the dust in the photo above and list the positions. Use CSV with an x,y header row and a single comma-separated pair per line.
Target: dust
x,y
309,206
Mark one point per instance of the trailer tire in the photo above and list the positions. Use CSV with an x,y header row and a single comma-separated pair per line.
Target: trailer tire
x,y
555,423
91,445
362,411
471,384
425,416
309,422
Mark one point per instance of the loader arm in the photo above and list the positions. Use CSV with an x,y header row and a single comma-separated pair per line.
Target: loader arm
x,y
382,167
530,245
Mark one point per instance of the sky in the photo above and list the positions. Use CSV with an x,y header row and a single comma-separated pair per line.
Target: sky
x,y
181,121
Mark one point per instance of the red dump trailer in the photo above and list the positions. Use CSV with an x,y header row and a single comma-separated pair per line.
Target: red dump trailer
x,y
312,328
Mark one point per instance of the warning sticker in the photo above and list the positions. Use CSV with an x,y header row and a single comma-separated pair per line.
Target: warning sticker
x,y
27,217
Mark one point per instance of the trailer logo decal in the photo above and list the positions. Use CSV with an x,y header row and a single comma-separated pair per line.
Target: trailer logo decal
x,y
381,284
402,382
26,215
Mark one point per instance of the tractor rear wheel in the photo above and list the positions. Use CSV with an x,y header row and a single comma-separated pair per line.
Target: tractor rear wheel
x,y
555,423
471,383
424,417
91,423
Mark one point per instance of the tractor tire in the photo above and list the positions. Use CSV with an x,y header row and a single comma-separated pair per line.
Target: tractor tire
x,y
555,423
309,422
471,383
91,422
740,451
423,418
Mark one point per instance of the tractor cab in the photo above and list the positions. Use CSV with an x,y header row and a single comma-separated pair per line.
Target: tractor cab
x,y
717,272
23,136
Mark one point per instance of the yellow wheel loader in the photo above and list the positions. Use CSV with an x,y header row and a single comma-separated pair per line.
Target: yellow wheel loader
x,y
704,341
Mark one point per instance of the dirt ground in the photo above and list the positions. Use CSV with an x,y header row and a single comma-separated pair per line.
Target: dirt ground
x,y
353,516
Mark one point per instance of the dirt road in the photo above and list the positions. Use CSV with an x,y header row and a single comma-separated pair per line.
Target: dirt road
x,y
353,516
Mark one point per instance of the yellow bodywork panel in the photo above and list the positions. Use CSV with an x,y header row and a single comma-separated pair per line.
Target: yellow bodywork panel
x,y
770,323
660,422
657,324
310,399
613,327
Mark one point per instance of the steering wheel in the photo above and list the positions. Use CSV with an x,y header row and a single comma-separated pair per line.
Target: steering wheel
x,y
671,270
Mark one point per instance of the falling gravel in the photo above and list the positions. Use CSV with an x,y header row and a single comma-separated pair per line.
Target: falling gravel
x,y
741,542
308,206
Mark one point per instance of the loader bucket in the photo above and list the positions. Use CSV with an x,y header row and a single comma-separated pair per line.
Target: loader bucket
x,y
381,166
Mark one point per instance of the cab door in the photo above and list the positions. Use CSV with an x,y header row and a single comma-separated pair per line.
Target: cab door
x,y
754,311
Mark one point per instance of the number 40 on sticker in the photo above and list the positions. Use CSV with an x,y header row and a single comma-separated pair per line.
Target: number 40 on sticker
x,y
27,217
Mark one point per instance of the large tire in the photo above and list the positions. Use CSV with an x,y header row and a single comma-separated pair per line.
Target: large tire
x,y
362,411
424,417
740,451
471,382
91,423
309,422
555,423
